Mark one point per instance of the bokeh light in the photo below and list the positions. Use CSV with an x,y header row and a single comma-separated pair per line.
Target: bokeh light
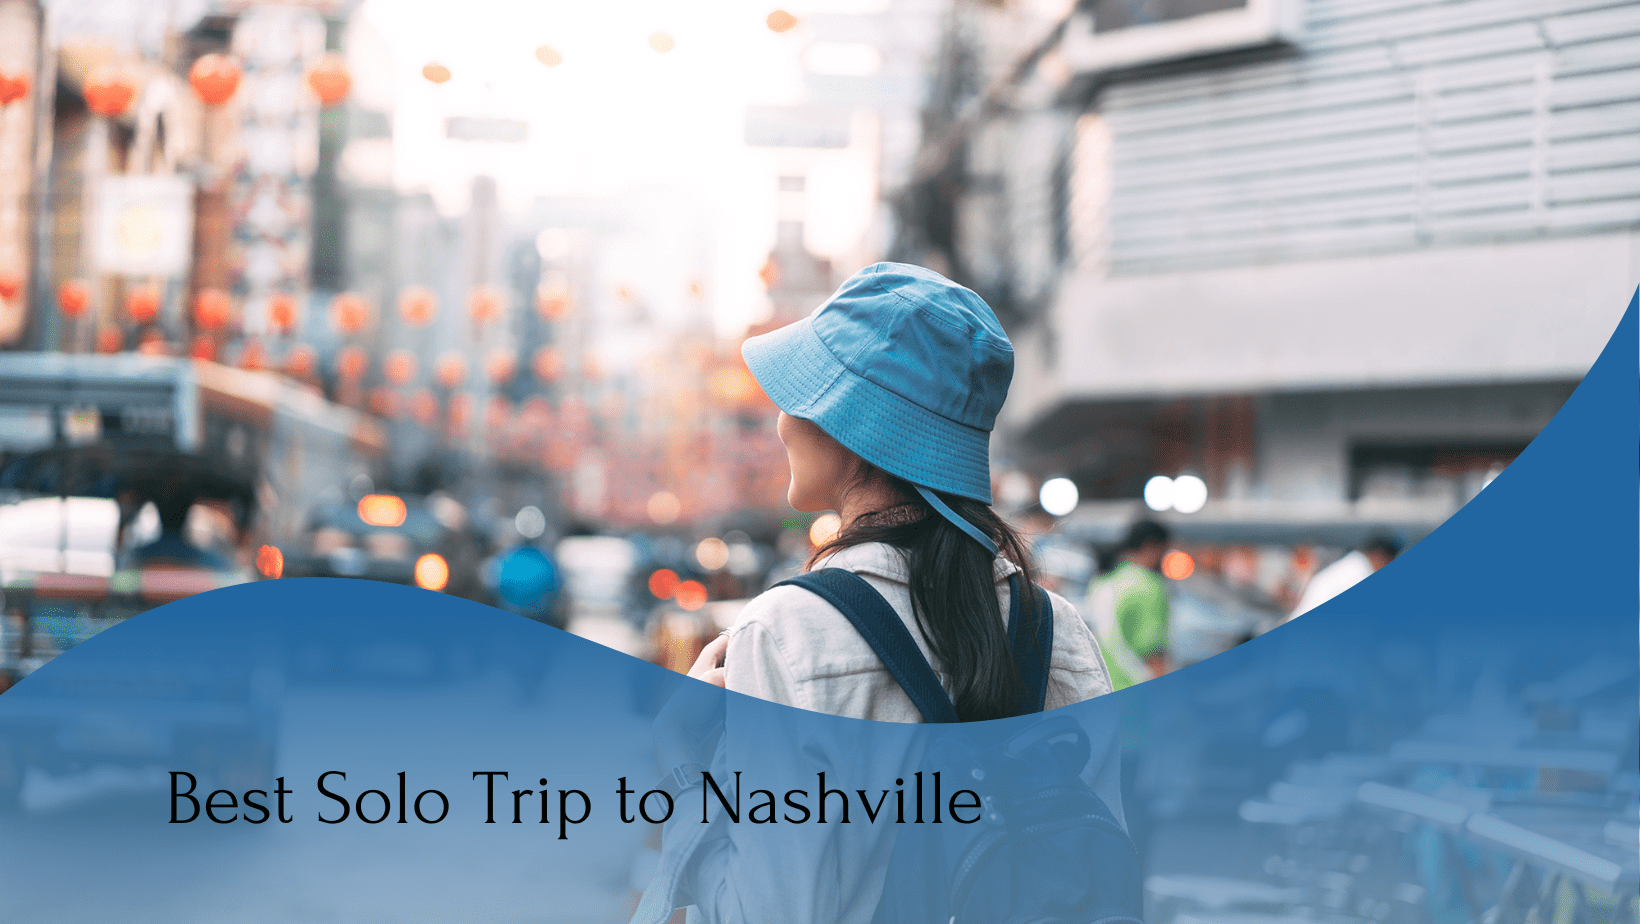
x,y
270,562
662,42
382,510
824,529
664,508
712,553
1059,496
1159,493
1189,493
663,583
1178,565
691,595
432,571
530,522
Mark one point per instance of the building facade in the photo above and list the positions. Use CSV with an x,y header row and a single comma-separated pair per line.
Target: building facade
x,y
1342,259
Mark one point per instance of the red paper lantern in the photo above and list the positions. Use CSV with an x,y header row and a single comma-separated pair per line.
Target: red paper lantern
x,y
142,304
203,348
330,79
212,309
459,413
300,361
500,366
416,306
548,364
109,91
451,370
10,285
282,312
214,78
14,85
109,340
552,303
73,297
253,357
351,364
424,407
484,305
350,313
400,367
536,413
384,402
495,416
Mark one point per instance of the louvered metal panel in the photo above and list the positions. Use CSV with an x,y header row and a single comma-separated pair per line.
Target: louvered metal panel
x,y
1397,124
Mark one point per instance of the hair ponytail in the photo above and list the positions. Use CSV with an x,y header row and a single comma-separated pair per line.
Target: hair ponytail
x,y
953,594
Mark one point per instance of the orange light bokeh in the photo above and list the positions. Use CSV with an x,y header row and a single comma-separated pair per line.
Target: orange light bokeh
x,y
432,571
1178,565
270,562
663,583
382,510
691,595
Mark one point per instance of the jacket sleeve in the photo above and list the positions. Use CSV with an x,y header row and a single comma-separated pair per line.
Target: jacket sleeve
x,y
755,665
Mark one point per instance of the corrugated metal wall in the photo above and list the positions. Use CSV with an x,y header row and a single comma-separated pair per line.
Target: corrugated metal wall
x,y
1398,124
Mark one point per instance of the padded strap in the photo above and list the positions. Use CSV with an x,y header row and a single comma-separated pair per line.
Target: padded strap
x,y
1031,660
886,633
882,629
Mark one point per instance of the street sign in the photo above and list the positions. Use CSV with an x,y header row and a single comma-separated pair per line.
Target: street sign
x,y
485,128
797,127
144,225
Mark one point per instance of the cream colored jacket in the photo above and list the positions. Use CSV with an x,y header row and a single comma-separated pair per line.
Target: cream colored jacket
x,y
789,646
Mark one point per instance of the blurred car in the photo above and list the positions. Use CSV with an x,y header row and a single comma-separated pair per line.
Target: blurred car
x,y
69,568
399,539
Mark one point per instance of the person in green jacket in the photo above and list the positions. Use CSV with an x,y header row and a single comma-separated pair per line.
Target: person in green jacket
x,y
1128,608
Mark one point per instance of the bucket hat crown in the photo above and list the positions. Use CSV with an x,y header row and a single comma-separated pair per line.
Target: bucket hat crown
x,y
904,368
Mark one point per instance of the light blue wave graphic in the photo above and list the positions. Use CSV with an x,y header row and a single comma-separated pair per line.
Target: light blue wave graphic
x,y
1452,741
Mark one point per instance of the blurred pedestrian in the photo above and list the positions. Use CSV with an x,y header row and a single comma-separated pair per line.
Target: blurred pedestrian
x,y
1346,572
1129,610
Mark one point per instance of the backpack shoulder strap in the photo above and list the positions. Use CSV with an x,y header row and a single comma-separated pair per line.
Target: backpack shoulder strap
x,y
1031,656
887,635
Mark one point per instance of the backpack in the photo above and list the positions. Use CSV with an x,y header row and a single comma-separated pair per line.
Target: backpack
x,y
1046,850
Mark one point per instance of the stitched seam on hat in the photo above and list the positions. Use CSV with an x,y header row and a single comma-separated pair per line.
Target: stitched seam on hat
x,y
977,336
836,374
908,397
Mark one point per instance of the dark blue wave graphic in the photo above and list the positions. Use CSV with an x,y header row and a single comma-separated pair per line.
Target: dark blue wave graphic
x,y
1452,740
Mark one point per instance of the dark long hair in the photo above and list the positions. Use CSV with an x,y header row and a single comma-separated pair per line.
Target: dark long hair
x,y
953,593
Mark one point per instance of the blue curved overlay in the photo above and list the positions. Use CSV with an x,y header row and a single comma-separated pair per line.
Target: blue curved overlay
x,y
1453,738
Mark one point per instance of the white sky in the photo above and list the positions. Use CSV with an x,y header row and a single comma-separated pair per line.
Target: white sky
x,y
615,114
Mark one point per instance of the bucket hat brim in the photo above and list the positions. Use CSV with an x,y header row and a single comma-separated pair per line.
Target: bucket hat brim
x,y
802,376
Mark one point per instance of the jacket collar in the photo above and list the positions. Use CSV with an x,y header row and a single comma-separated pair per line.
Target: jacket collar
x,y
885,561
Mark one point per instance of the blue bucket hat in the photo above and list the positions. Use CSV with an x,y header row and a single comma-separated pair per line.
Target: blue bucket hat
x,y
907,370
